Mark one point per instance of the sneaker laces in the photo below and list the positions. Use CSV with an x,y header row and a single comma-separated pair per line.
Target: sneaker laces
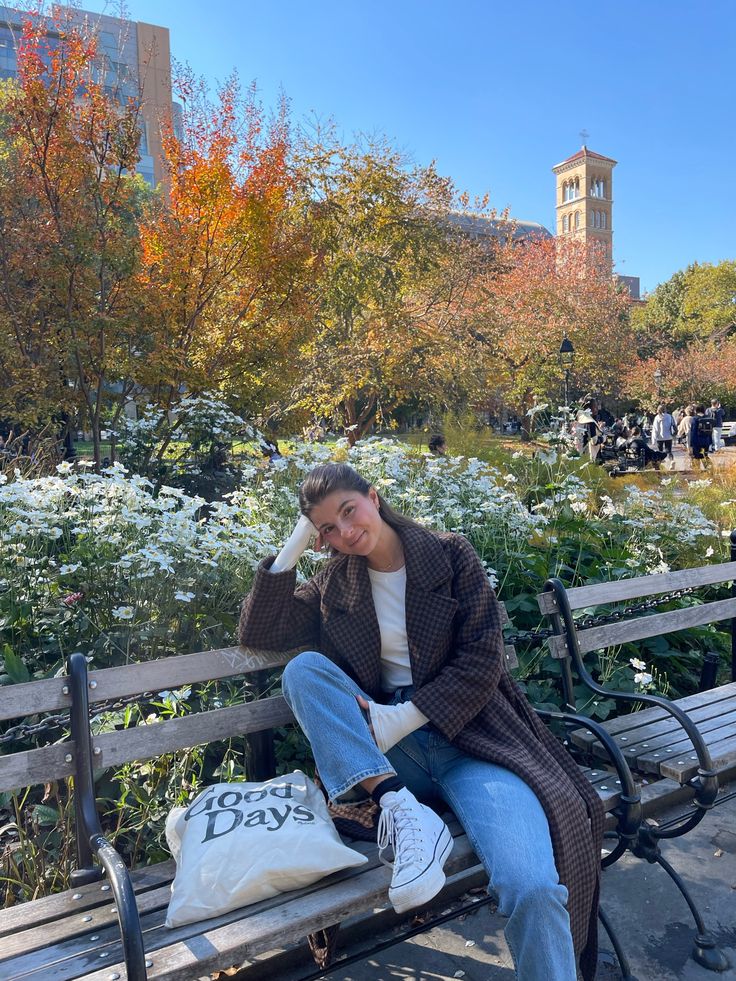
x,y
399,828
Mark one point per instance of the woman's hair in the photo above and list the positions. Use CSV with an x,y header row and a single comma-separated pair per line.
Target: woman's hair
x,y
329,477
661,409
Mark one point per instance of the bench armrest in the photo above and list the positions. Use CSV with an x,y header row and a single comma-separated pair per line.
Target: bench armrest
x,y
705,783
632,814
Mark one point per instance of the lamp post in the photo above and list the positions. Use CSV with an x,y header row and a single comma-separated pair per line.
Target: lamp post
x,y
566,356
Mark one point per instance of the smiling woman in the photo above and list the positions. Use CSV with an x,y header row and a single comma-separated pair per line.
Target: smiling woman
x,y
402,690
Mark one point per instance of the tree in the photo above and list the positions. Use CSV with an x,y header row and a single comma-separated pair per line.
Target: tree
x,y
225,260
696,303
68,201
538,292
390,286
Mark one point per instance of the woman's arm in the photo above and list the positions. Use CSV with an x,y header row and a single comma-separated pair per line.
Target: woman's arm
x,y
276,614
471,675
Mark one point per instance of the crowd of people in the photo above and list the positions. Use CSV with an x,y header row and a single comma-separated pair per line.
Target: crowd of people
x,y
650,439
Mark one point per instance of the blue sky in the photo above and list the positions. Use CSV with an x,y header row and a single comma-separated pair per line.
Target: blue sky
x,y
498,92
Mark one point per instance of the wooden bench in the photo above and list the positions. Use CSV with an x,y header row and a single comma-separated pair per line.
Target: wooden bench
x,y
688,744
112,926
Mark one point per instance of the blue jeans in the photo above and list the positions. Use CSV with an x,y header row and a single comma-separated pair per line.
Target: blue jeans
x,y
500,814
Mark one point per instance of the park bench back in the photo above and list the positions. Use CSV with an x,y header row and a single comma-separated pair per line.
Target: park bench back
x,y
561,602
142,742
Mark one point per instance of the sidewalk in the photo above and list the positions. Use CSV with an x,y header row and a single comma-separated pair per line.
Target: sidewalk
x,y
649,915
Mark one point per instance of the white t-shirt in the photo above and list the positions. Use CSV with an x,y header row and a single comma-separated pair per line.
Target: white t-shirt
x,y
389,599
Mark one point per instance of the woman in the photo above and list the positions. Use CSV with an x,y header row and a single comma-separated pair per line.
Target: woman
x,y
404,692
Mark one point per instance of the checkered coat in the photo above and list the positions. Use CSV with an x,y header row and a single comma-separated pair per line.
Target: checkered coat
x,y
453,627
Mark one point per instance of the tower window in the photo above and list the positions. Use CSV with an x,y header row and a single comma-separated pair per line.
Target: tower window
x,y
565,223
577,219
603,219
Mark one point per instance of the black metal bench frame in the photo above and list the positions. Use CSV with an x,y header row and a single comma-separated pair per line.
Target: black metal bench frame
x,y
570,642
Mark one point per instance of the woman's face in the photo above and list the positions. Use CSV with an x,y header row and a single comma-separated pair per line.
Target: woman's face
x,y
348,521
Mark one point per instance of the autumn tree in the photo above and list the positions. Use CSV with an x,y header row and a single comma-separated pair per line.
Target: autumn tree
x,y
686,331
389,291
225,260
68,205
539,291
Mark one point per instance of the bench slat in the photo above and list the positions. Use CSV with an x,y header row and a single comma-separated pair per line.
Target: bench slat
x,y
677,740
36,766
700,705
192,952
144,742
72,935
33,697
598,594
722,753
47,909
597,638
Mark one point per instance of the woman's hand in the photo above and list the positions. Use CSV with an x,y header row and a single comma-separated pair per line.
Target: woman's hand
x,y
366,708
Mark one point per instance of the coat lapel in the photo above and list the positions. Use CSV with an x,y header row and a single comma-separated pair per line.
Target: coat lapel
x,y
350,622
430,608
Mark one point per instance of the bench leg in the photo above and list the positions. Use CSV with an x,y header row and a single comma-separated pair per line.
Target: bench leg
x,y
705,951
623,962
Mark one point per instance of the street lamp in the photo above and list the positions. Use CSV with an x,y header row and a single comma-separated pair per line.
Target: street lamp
x,y
567,356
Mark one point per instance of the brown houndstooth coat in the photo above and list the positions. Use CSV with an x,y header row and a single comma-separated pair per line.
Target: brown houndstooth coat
x,y
461,685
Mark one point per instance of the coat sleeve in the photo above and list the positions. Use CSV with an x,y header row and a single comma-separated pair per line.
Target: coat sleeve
x,y
466,682
279,615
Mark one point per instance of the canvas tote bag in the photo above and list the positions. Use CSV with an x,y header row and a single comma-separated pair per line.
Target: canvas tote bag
x,y
238,843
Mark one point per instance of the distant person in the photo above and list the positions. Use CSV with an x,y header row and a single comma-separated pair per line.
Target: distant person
x,y
683,427
701,434
716,413
663,431
270,449
438,445
636,443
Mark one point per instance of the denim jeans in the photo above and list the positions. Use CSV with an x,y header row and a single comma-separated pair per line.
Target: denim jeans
x,y
500,814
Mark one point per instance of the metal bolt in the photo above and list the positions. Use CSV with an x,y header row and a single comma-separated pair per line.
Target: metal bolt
x,y
656,756
114,977
86,919
645,745
149,963
693,757
68,758
624,739
104,953
65,690
604,787
105,888
93,684
680,762
97,751
594,773
77,895
96,937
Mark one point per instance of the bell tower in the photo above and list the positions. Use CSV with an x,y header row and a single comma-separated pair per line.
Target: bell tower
x,y
584,199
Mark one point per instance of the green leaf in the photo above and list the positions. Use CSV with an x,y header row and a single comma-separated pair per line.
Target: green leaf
x,y
45,816
14,666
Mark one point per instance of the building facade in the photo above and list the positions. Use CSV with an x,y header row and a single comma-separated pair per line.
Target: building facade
x,y
133,61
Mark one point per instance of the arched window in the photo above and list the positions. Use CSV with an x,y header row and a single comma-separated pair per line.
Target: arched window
x,y
576,193
577,219
596,219
603,219
565,223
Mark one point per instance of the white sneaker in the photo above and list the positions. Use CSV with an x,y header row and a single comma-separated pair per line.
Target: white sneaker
x,y
421,844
